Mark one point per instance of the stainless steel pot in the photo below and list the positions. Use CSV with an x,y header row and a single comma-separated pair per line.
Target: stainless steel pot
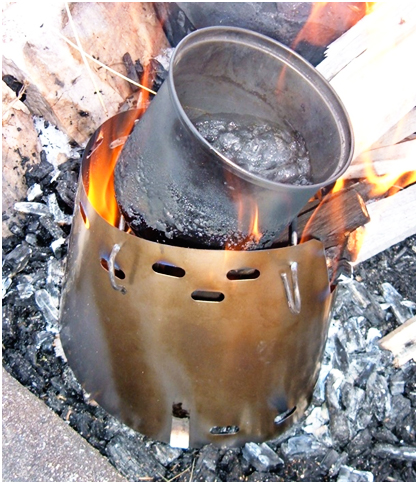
x,y
171,180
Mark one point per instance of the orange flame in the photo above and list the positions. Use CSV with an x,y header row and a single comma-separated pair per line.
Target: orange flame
x,y
339,17
101,191
394,181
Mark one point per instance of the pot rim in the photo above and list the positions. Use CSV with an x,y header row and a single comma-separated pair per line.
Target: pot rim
x,y
293,59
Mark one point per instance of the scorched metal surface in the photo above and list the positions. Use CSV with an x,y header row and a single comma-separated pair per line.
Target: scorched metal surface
x,y
143,346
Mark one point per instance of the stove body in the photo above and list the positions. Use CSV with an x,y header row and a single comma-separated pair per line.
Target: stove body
x,y
210,345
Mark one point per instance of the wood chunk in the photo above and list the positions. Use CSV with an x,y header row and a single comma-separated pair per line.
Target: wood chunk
x,y
402,342
392,220
399,158
404,128
371,70
332,219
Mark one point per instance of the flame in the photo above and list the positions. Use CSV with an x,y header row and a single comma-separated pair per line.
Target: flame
x,y
340,17
255,233
104,156
381,184
101,192
244,207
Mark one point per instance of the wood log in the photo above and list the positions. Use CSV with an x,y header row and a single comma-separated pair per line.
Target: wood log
x,y
331,219
60,88
20,144
371,70
402,130
392,220
402,342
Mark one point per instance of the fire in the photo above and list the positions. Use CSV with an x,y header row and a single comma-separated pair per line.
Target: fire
x,y
341,16
247,207
255,231
381,184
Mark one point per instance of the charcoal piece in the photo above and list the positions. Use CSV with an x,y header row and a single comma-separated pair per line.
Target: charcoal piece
x,y
131,71
44,340
378,396
332,389
38,173
317,418
348,474
54,230
9,243
16,230
24,372
330,459
261,457
71,383
205,469
401,407
318,396
5,285
361,443
158,70
129,454
81,421
165,454
361,380
384,435
335,468
67,190
174,21
57,214
393,298
46,305
25,290
340,428
340,360
58,248
54,402
303,446
34,192
351,337
352,398
407,430
9,335
14,84
263,477
16,260
403,453
230,466
397,383
31,239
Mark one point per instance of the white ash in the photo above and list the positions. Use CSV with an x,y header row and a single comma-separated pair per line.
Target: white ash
x,y
55,143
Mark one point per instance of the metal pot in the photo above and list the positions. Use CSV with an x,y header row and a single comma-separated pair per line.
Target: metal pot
x,y
170,179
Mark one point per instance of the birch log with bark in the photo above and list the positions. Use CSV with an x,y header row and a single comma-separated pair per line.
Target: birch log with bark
x,y
60,88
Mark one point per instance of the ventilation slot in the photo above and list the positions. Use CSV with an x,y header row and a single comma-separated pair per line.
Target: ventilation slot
x,y
168,269
208,296
284,416
118,272
244,274
228,430
84,216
